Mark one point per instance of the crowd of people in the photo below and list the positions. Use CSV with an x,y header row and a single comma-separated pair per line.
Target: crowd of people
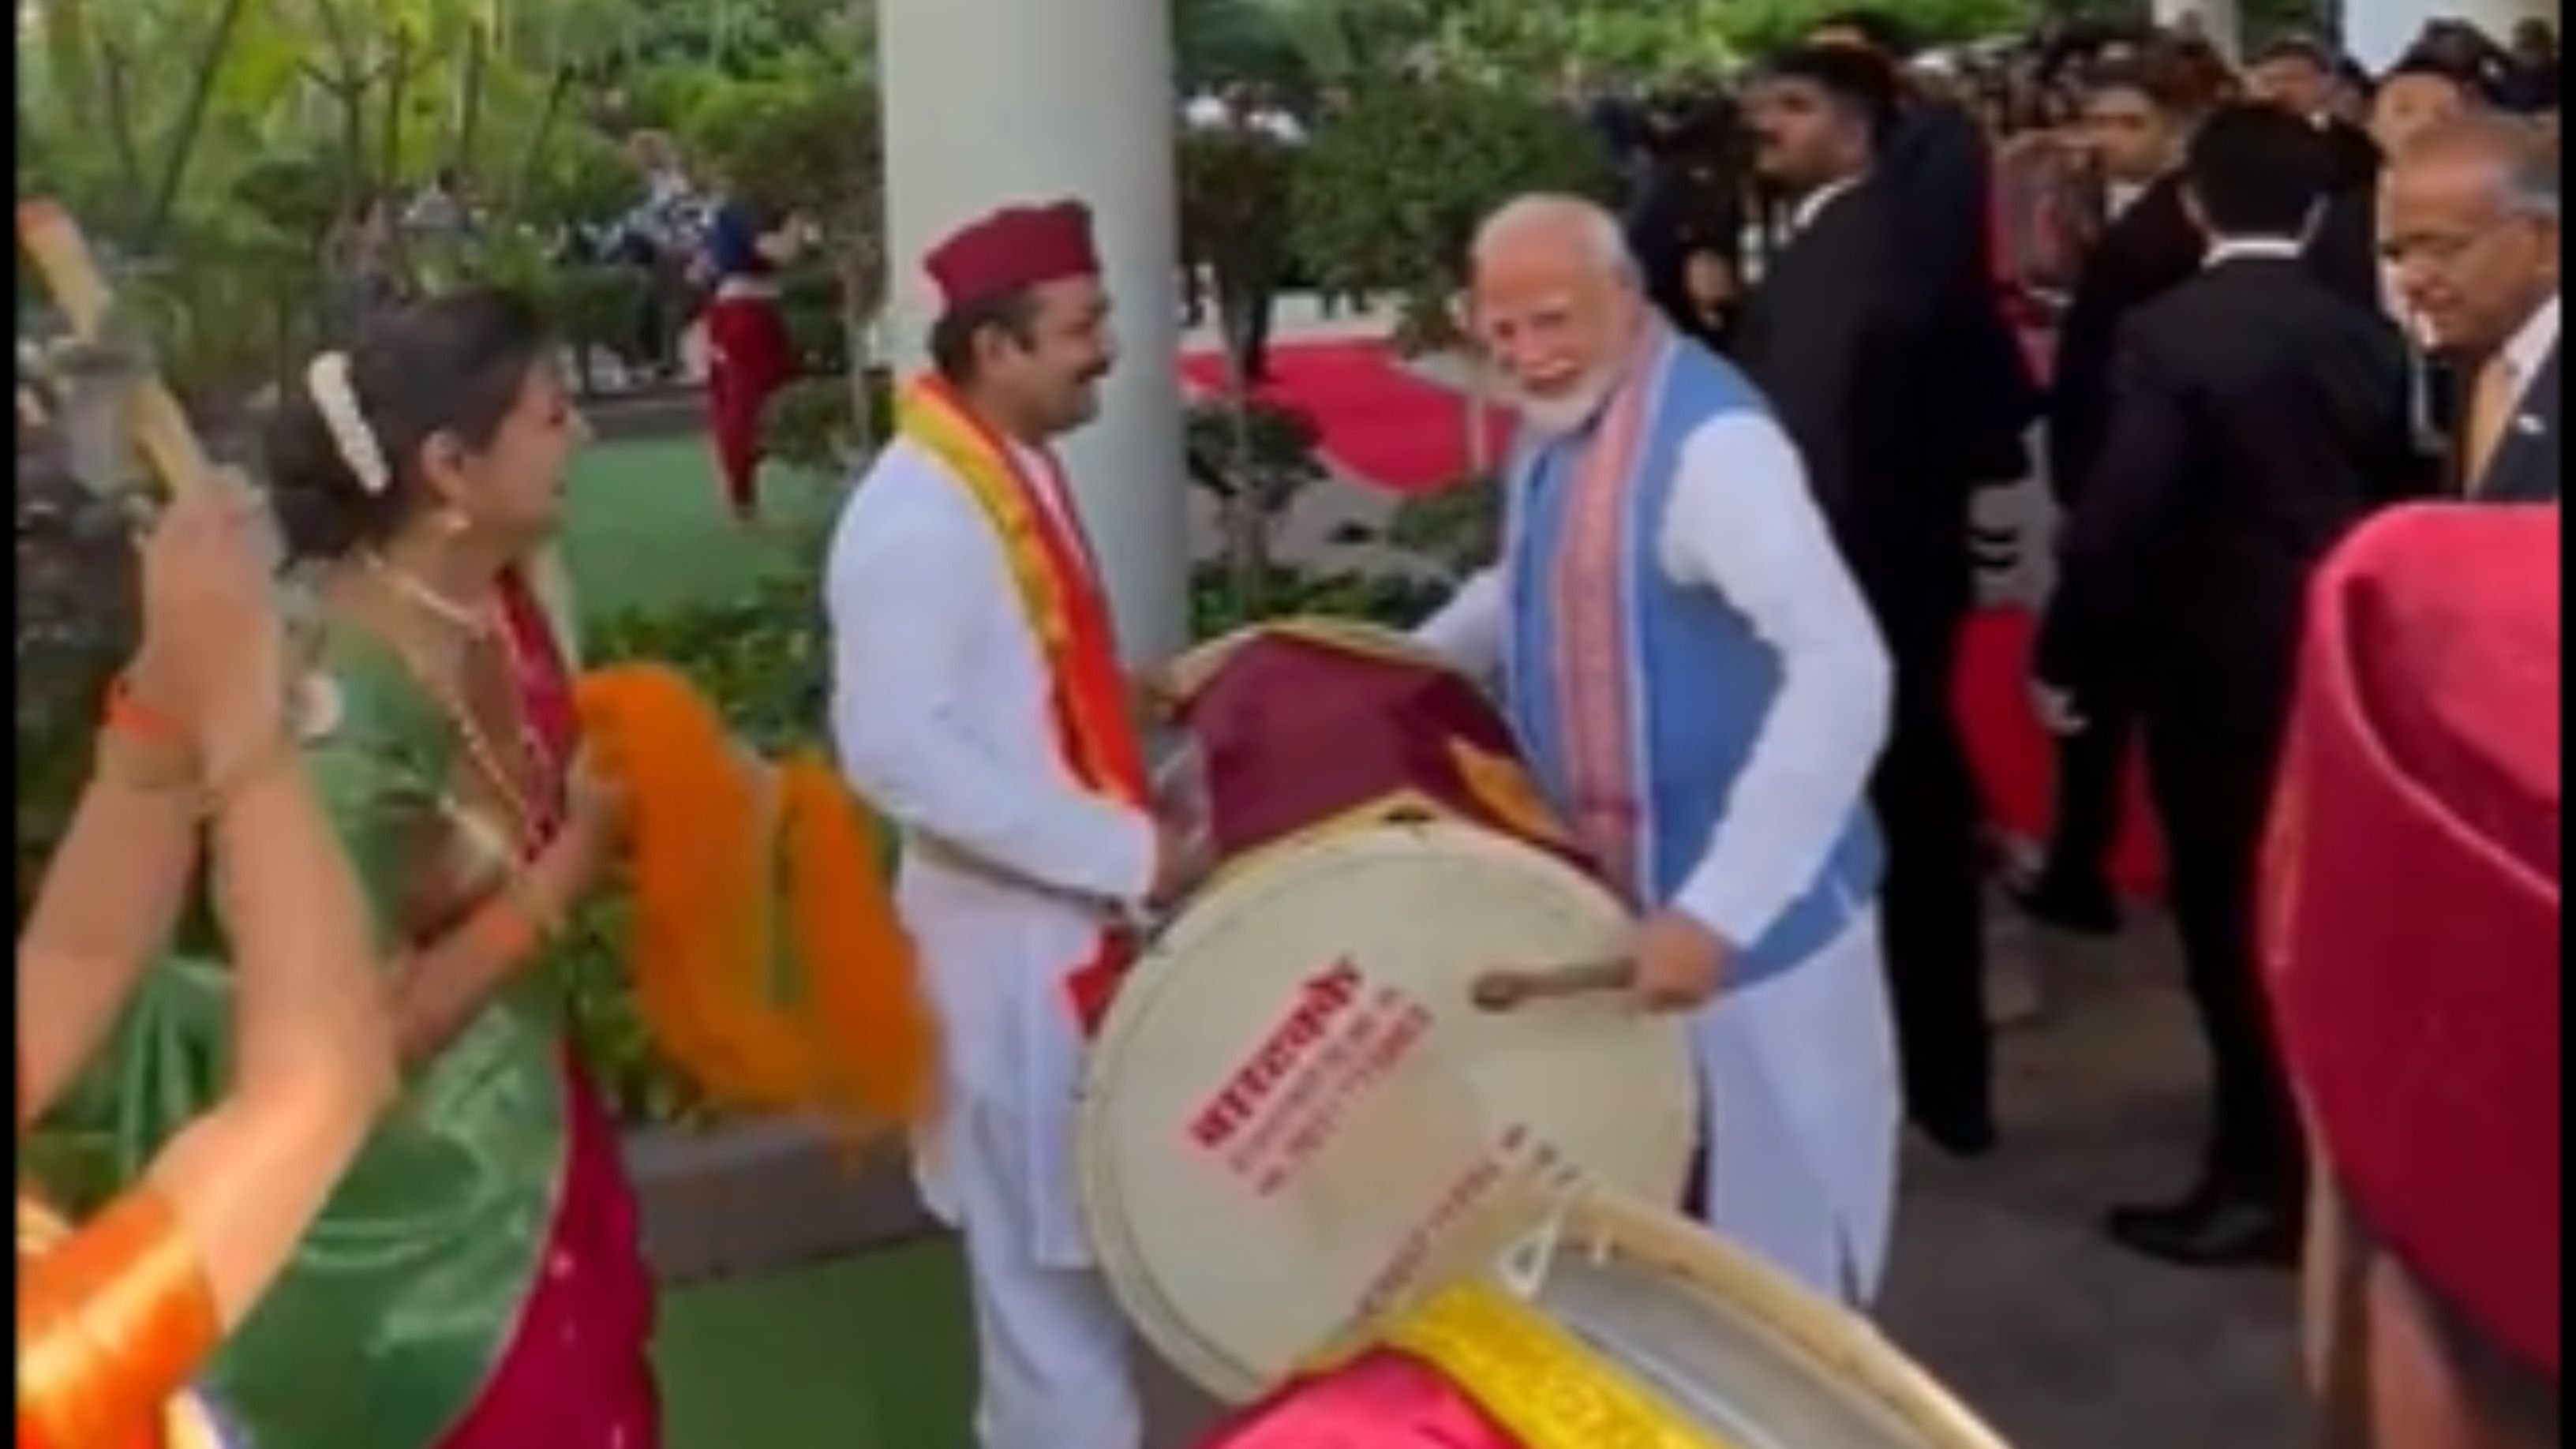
x,y
1724,628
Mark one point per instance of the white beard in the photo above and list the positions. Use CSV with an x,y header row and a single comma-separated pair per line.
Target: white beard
x,y
1566,412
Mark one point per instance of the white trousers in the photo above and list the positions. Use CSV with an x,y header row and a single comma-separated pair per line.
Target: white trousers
x,y
1052,1350
1799,1081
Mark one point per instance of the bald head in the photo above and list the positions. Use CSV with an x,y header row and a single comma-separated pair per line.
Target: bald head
x,y
1557,304
2469,225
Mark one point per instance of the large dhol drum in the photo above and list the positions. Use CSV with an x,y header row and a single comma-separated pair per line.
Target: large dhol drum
x,y
1294,1097
1615,1326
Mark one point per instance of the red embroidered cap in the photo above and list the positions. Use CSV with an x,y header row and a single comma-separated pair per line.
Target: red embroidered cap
x,y
1012,249
2412,930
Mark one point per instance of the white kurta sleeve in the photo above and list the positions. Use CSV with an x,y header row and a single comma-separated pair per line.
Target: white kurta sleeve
x,y
903,594
1742,522
1468,630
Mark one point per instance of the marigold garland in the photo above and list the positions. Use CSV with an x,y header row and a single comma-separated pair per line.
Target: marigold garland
x,y
844,1029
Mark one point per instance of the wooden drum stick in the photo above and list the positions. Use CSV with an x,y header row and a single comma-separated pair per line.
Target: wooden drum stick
x,y
53,241
1508,990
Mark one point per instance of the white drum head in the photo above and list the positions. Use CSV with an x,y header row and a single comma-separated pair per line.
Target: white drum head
x,y
1293,1102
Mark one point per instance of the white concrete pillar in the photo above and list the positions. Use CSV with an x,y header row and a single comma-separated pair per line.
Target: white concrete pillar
x,y
2379,32
994,102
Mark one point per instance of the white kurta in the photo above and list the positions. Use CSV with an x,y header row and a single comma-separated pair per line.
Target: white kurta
x,y
941,711
1800,1069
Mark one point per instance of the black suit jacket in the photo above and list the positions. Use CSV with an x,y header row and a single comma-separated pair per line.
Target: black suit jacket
x,y
2148,248
2256,415
2524,468
1937,172
1836,337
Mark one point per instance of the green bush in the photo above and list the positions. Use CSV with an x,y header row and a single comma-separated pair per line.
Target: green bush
x,y
1236,194
1458,526
762,657
1392,192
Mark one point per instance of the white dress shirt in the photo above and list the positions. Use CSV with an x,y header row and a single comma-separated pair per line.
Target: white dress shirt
x,y
1742,522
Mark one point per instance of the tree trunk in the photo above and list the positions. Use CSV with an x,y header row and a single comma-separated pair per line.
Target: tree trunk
x,y
120,125
523,177
398,69
192,121
469,98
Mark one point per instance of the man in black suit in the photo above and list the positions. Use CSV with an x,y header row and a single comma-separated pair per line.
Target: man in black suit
x,y
2256,415
1837,336
2472,233
2300,76
1935,163
2135,127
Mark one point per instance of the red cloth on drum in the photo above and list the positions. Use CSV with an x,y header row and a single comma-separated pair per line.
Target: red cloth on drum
x,y
1380,1401
2412,904
1399,726
1012,250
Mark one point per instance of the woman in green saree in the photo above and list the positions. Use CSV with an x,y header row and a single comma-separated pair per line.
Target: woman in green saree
x,y
475,1282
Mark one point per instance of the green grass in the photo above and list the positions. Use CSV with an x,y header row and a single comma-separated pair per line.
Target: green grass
x,y
648,528
870,1352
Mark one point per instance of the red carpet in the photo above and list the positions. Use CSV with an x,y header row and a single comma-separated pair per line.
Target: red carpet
x,y
1383,425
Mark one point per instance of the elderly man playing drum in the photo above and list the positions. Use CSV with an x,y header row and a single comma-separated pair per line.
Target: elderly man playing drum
x,y
2413,937
978,701
1701,694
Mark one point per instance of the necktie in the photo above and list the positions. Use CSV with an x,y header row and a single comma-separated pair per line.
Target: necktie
x,y
2490,412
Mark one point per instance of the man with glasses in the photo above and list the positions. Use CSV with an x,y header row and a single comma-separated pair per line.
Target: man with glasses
x,y
2471,232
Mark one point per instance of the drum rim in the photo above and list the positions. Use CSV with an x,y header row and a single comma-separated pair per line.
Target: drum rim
x,y
1839,1342
1189,673
1130,1271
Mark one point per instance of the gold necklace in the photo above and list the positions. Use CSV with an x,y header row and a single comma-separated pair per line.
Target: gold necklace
x,y
475,623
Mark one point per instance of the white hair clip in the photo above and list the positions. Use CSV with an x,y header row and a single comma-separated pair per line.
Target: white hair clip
x,y
326,380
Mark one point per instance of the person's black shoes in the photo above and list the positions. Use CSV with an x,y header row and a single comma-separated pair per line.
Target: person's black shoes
x,y
1960,1134
2089,909
2212,1228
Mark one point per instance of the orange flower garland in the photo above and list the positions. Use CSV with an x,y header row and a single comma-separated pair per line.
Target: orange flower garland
x,y
843,1028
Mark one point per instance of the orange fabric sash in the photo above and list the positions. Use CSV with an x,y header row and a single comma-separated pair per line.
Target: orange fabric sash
x,y
112,1321
1059,590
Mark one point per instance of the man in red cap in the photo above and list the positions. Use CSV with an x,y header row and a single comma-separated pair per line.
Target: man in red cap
x,y
2414,969
978,702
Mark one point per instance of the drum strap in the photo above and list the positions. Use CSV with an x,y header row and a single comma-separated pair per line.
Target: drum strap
x,y
1060,594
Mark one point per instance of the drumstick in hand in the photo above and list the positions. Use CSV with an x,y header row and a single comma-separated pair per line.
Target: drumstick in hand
x,y
1510,989
71,273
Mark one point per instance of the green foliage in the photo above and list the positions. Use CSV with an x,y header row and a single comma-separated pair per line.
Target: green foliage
x,y
1255,458
1217,606
1390,195
1458,526
812,425
762,657
1236,195
595,307
1755,27
811,299
584,178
